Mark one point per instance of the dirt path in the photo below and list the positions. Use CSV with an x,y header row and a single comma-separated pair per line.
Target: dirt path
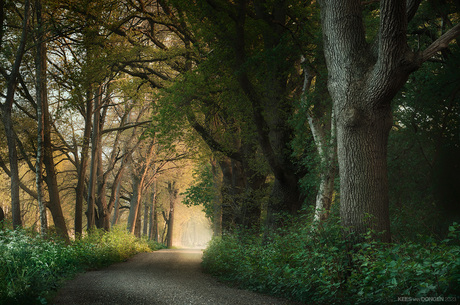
x,y
162,277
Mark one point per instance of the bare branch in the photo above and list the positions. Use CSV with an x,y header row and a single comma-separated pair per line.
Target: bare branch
x,y
125,127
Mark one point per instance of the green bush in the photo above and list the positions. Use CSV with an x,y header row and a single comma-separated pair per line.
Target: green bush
x,y
320,266
32,267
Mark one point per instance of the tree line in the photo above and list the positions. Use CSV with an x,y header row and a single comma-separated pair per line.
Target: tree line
x,y
284,105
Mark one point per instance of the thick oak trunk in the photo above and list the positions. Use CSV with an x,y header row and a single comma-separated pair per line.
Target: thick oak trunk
x,y
362,156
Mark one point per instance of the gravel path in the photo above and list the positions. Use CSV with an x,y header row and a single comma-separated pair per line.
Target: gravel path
x,y
163,277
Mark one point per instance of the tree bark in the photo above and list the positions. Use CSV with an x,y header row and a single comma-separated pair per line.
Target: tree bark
x,y
91,201
134,204
271,112
324,134
80,189
54,204
362,84
172,191
153,221
146,219
8,122
40,63
217,205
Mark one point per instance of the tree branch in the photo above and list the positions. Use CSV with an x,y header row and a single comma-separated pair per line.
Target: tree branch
x,y
207,137
440,44
411,8
32,193
392,37
125,127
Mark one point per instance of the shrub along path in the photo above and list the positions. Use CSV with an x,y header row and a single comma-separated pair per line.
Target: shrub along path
x,y
161,277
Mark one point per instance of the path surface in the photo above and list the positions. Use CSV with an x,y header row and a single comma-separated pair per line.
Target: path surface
x,y
167,277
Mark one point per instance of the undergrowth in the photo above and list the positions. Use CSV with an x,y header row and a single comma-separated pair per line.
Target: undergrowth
x,y
32,268
320,267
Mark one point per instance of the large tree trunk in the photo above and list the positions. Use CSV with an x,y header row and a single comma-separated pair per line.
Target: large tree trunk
x,y
271,111
362,82
362,157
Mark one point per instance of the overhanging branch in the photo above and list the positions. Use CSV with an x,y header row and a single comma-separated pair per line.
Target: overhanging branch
x,y
440,44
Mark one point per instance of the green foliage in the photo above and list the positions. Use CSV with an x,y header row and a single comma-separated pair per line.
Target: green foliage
x,y
32,267
320,266
202,191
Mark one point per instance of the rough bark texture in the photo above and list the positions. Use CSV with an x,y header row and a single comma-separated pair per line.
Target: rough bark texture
x,y
362,85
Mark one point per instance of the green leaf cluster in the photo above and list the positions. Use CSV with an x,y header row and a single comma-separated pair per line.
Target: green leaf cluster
x,y
202,191
320,266
31,267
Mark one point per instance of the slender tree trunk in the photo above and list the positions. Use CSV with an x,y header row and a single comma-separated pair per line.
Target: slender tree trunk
x,y
2,217
146,219
103,219
228,196
324,134
91,210
217,204
8,122
153,230
134,204
80,189
138,224
40,62
54,204
116,209
172,191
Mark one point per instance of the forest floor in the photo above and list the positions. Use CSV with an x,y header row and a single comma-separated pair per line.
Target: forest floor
x,y
163,277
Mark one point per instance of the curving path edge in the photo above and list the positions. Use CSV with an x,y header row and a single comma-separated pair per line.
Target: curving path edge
x,y
167,277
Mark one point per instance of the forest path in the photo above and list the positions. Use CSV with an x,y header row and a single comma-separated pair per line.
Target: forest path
x,y
163,277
